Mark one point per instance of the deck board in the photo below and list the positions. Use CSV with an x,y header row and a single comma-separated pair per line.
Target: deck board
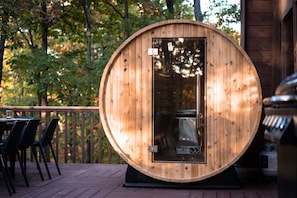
x,y
98,180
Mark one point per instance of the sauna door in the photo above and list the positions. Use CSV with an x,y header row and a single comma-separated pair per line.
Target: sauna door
x,y
178,99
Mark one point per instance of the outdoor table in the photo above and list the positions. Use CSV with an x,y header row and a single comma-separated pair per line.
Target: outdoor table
x,y
15,119
9,121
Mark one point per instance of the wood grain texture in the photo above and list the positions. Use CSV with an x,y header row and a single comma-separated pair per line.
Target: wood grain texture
x,y
233,102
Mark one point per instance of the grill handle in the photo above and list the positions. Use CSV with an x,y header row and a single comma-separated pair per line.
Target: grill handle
x,y
280,99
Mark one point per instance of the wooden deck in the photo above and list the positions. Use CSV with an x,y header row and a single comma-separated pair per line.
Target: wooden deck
x,y
100,180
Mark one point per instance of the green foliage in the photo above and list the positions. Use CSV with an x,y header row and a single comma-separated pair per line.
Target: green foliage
x,y
63,74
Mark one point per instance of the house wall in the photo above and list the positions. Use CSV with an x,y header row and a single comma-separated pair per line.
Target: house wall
x,y
269,37
257,40
258,30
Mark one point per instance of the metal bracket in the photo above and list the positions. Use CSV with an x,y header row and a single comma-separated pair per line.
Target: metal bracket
x,y
153,149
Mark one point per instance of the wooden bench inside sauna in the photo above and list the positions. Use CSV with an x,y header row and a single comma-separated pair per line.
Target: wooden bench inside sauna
x,y
180,102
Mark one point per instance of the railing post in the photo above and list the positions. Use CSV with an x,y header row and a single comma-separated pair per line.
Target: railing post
x,y
83,137
66,138
73,142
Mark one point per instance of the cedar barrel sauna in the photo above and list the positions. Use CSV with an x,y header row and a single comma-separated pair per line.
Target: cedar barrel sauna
x,y
180,101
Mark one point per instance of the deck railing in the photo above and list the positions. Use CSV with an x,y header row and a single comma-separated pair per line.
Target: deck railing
x,y
79,137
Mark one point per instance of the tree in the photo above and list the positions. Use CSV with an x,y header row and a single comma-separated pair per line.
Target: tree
x,y
86,4
63,46
29,25
42,95
3,36
48,70
8,8
197,11
170,7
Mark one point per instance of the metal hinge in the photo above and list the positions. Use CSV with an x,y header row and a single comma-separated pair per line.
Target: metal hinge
x,y
153,149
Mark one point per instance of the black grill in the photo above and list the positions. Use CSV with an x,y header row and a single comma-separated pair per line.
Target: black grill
x,y
281,127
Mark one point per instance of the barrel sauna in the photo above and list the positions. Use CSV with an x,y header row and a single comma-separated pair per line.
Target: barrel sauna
x,y
180,101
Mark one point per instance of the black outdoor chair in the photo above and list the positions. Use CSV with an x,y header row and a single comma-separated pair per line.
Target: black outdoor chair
x,y
10,146
27,140
2,130
7,180
2,169
46,140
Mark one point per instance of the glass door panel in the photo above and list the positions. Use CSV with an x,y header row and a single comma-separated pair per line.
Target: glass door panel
x,y
178,99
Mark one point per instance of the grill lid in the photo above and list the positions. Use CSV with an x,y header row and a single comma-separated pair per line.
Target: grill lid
x,y
288,86
285,93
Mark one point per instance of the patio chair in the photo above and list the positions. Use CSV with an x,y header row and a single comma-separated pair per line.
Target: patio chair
x,y
2,130
2,169
10,146
6,179
46,140
27,139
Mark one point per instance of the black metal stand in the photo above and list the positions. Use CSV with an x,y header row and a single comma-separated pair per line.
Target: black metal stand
x,y
225,180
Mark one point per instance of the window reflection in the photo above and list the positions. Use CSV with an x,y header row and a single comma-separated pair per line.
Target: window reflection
x,y
178,98
181,55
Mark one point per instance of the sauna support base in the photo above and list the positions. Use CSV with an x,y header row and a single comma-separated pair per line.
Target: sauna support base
x,y
225,180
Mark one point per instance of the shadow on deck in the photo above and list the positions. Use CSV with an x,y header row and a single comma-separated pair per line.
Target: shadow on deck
x,y
102,180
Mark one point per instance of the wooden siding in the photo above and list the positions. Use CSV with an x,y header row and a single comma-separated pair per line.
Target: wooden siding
x,y
265,27
258,39
258,43
233,98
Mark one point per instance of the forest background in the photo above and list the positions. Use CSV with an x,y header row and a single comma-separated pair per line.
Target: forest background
x,y
53,52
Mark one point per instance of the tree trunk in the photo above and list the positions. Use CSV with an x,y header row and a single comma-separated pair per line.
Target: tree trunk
x,y
2,41
87,11
86,4
170,7
2,46
44,25
197,11
126,15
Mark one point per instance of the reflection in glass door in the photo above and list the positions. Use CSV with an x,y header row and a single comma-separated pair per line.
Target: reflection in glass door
x,y
178,99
